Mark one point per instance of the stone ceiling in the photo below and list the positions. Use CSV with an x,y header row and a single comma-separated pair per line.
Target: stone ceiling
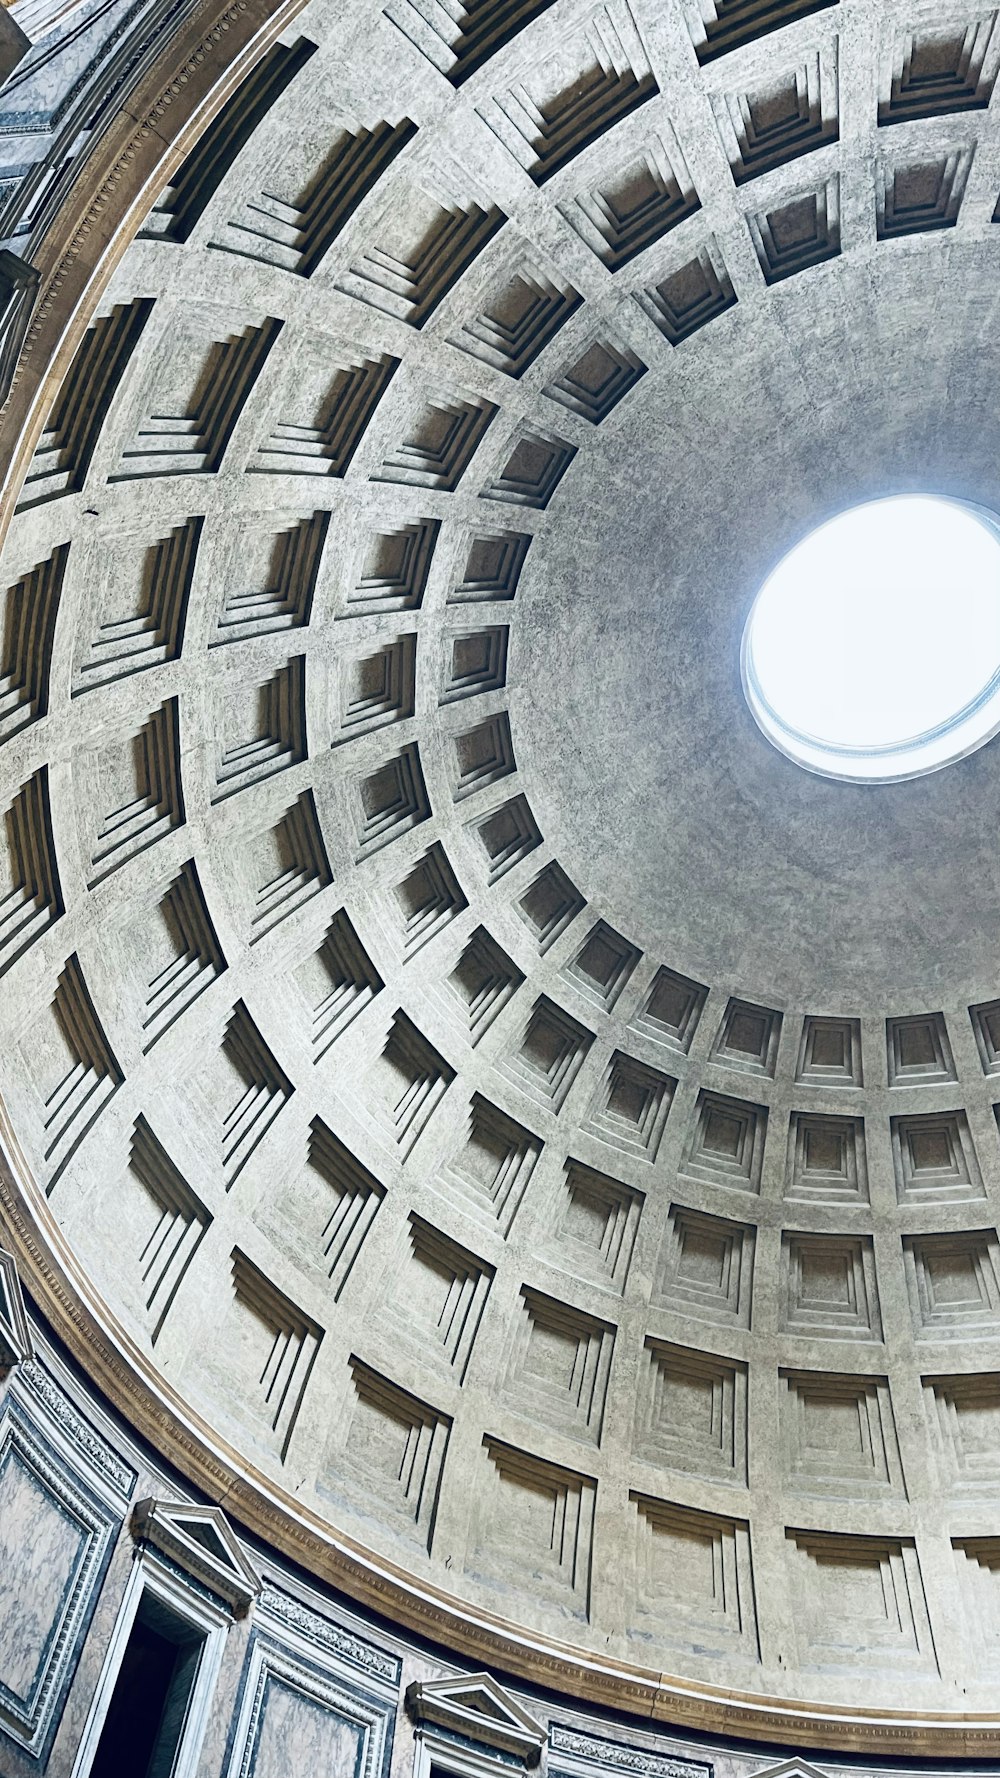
x,y
546,1136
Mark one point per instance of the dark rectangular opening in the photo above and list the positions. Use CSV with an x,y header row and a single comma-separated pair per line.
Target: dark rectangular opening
x,y
149,1705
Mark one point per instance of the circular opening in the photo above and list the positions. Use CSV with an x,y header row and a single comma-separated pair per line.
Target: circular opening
x,y
872,651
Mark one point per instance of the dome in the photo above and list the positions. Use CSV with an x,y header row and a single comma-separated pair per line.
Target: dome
x,y
489,1118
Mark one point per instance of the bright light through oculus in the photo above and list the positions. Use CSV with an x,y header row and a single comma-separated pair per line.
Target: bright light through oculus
x,y
872,651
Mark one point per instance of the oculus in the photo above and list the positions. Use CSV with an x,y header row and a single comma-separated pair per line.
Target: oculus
x,y
872,651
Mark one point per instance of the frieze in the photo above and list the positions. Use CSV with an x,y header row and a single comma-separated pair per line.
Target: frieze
x,y
622,1758
323,1634
94,1448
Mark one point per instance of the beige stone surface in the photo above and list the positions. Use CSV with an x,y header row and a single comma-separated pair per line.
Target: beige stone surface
x,y
546,1136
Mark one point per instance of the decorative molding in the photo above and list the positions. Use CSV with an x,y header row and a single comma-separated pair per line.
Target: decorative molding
x,y
595,1750
478,1709
116,183
790,1768
319,1632
29,1717
92,1448
200,1540
273,1672
15,1335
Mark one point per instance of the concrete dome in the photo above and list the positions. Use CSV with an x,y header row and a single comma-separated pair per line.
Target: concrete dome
x,y
479,1108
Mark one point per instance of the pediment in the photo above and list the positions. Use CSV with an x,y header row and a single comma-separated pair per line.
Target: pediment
x,y
791,1768
200,1540
15,1336
478,1708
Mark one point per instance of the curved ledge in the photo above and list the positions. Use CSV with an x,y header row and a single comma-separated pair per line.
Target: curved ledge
x,y
130,163
117,1367
113,192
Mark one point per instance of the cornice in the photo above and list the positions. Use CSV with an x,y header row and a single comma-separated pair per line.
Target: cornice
x,y
121,1371
111,195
